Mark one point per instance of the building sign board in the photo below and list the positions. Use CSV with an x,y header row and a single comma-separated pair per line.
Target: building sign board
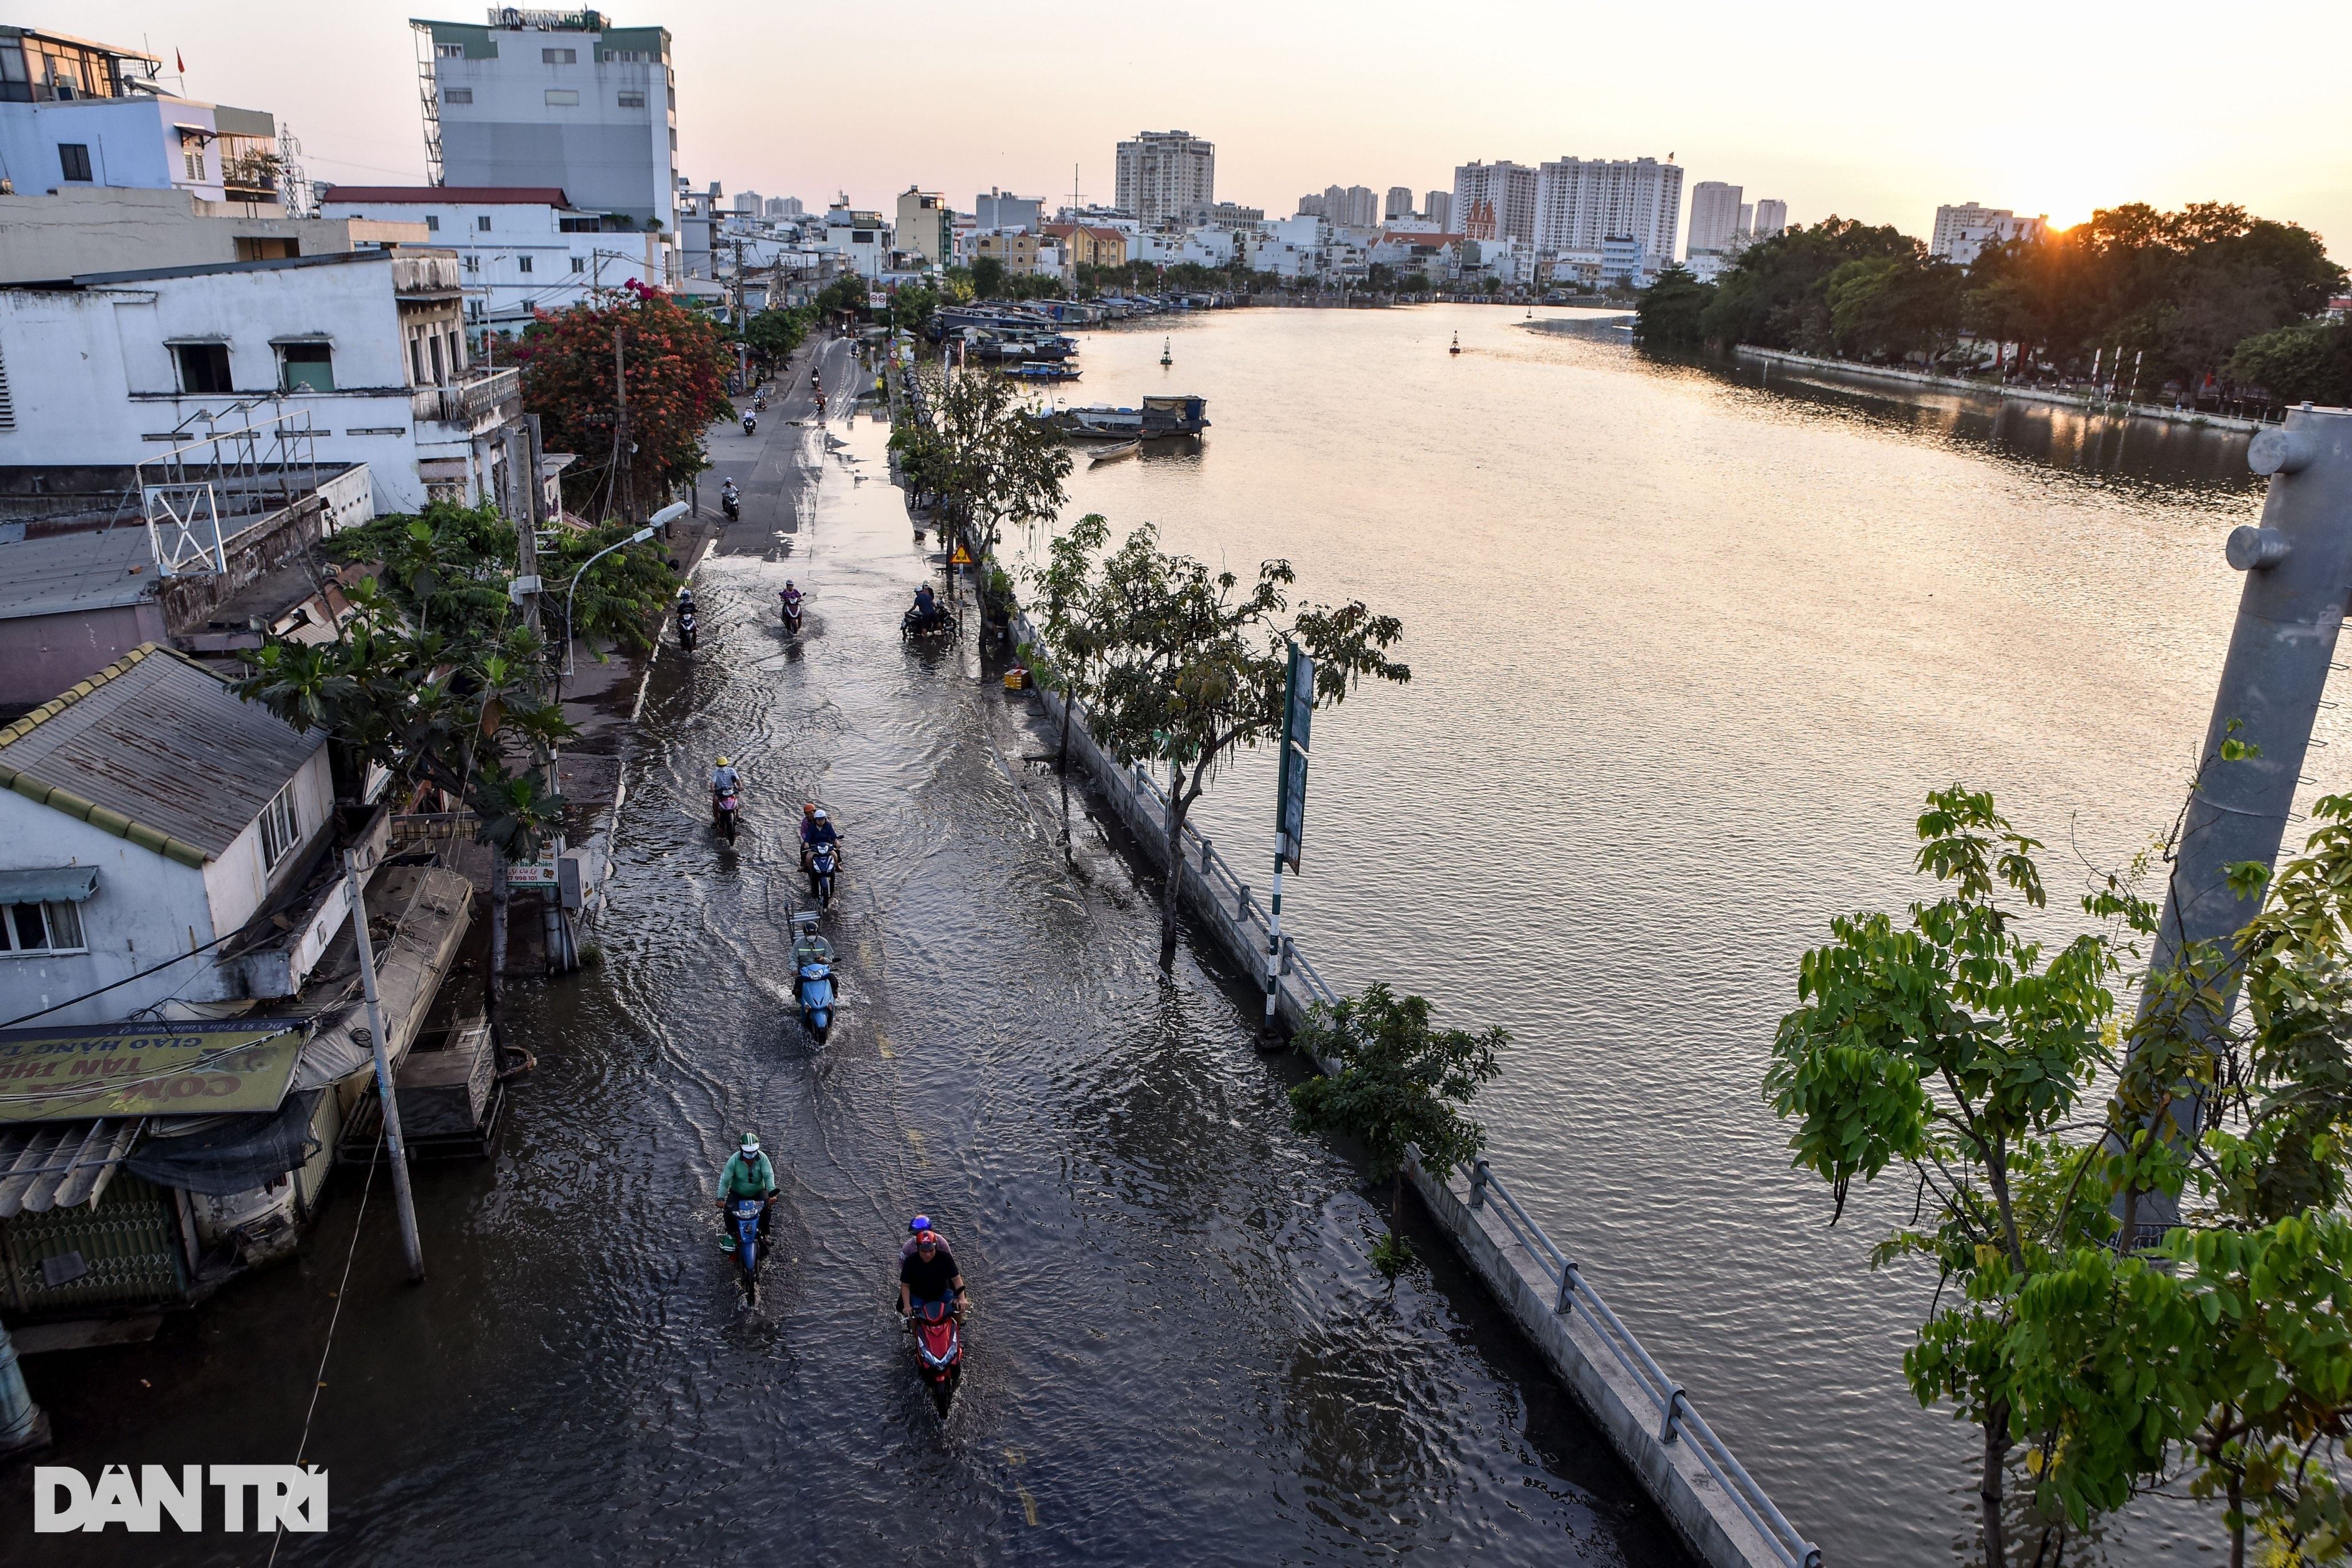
x,y
155,1069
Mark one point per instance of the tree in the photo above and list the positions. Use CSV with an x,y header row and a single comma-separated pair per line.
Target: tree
x,y
1188,668
977,448
1067,637
2308,363
988,277
1893,306
912,304
1670,310
773,334
1402,1088
1776,295
672,365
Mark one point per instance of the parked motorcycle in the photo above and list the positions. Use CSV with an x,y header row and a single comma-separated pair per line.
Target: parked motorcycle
x,y
747,1213
823,861
939,1349
813,969
726,805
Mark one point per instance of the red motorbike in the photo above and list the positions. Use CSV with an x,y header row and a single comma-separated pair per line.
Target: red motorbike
x,y
939,1349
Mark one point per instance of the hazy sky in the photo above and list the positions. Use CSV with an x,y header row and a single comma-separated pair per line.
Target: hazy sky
x,y
1869,110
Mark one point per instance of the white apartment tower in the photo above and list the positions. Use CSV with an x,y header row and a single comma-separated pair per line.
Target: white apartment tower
x,y
1770,218
1495,201
554,98
1437,206
1963,231
1165,176
1716,217
1399,201
1583,201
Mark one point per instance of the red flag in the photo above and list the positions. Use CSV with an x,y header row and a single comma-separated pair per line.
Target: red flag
x,y
178,59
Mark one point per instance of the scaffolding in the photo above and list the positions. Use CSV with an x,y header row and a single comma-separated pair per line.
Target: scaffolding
x,y
254,458
429,91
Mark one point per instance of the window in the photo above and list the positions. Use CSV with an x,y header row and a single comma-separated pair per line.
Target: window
x,y
473,262
417,361
42,928
440,375
558,57
195,157
483,223
203,367
626,57
633,100
278,827
449,51
306,367
73,159
457,95
522,263
579,264
861,237
578,224
562,97
432,222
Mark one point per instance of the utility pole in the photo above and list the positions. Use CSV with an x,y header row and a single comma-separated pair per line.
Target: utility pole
x,y
2296,566
401,1198
624,491
24,1425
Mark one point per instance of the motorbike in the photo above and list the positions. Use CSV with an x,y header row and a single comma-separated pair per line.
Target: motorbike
x,y
823,861
747,1213
912,623
685,636
751,424
728,504
939,1349
792,613
726,805
813,967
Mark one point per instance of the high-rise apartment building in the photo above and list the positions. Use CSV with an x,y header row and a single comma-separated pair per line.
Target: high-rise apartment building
x,y
558,99
1583,201
1963,231
1746,217
1003,209
1495,201
1358,208
1165,176
785,206
1770,218
1399,203
1716,212
1437,206
749,204
927,224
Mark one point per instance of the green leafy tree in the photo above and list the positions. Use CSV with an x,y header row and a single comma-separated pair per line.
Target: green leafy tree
x,y
2310,362
988,277
1671,312
977,448
1065,660
1402,1088
773,334
1191,664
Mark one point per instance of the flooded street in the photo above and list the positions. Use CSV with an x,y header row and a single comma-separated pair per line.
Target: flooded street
x,y
1177,1351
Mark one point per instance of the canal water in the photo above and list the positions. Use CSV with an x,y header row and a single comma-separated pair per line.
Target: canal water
x,y
1689,648
1177,1351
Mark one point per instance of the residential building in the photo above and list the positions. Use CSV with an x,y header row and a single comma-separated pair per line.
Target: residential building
x,y
555,98
103,228
1770,218
1003,209
1717,216
1963,231
1014,248
751,203
1314,206
520,249
1584,201
1207,246
1493,201
927,224
1747,220
1166,177
1624,260
75,113
1354,207
1232,214
1437,206
1090,245
365,349
1100,216
1399,201
859,235
784,207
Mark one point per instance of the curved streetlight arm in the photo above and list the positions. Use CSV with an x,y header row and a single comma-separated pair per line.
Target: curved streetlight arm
x,y
637,538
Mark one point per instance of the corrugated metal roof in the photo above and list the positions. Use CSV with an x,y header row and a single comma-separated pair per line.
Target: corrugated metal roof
x,y
58,1166
156,743
67,572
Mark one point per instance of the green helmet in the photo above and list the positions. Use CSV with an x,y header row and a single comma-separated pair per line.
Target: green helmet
x,y
751,1146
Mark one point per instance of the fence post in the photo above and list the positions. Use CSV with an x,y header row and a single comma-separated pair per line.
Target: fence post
x,y
1479,1176
1566,1303
1666,1434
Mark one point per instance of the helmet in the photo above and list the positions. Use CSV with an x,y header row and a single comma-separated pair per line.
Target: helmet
x,y
725,763
808,808
927,1239
750,1144
919,1224
819,814
788,582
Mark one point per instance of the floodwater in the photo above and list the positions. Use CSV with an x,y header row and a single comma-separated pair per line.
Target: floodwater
x,y
1178,1353
1689,648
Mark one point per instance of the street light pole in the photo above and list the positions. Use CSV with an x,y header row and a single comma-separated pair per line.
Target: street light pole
x,y
667,514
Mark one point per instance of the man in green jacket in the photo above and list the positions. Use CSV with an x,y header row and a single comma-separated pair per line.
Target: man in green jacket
x,y
747,1174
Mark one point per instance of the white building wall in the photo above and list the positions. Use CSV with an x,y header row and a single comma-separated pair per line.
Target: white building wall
x,y
132,141
1715,215
1584,201
523,261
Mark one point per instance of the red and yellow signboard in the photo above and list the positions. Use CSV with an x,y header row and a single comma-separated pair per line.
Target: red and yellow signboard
x,y
152,1069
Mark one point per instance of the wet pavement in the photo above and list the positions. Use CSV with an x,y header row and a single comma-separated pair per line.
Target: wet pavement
x,y
1177,1350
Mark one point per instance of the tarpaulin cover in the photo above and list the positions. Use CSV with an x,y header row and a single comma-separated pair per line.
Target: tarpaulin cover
x,y
237,1155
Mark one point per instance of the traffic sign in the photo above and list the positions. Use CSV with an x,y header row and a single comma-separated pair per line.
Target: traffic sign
x,y
1298,711
962,557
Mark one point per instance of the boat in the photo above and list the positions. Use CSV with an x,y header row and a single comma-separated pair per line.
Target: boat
x,y
1041,369
1123,449
1158,416
1457,345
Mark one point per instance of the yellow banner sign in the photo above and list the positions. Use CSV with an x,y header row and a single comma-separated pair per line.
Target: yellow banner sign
x,y
155,1069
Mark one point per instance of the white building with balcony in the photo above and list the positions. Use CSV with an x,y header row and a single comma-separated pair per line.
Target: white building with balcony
x,y
368,346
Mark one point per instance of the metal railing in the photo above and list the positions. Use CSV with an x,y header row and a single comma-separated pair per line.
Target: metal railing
x,y
1677,1416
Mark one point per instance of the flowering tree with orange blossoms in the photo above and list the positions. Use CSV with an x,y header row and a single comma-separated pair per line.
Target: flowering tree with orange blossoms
x,y
672,365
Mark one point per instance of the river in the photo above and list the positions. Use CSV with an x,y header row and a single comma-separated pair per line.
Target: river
x,y
1688,652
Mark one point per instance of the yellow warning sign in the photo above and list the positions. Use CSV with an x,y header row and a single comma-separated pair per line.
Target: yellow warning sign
x,y
962,557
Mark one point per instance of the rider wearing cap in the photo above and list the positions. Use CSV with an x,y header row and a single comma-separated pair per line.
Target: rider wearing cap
x,y
747,1174
931,1275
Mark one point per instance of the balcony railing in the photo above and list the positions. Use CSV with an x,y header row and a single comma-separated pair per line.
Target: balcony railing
x,y
467,402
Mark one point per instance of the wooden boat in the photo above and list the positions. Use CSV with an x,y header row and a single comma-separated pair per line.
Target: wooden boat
x,y
1124,449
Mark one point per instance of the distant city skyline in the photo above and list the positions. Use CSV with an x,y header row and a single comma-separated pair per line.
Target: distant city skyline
x,y
1734,102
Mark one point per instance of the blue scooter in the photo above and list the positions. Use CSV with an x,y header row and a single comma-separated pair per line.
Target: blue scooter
x,y
747,1244
812,966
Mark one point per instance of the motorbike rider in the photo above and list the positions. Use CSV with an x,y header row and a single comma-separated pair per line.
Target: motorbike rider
x,y
724,780
748,1174
792,597
729,500
927,605
816,827
751,422
915,1227
931,1275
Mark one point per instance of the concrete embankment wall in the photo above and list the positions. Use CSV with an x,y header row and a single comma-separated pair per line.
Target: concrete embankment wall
x,y
2080,402
1576,1346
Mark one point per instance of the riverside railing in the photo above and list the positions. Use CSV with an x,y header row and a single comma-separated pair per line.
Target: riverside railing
x,y
1241,924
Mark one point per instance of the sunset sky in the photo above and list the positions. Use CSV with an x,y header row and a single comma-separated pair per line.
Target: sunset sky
x,y
1868,111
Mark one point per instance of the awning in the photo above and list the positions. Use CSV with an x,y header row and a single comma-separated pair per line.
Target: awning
x,y
42,1168
230,1154
210,1068
51,885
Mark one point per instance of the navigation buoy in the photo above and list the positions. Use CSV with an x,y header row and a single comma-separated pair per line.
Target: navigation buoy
x,y
1457,345
1165,356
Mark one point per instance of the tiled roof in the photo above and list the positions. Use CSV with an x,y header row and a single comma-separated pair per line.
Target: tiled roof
x,y
155,748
